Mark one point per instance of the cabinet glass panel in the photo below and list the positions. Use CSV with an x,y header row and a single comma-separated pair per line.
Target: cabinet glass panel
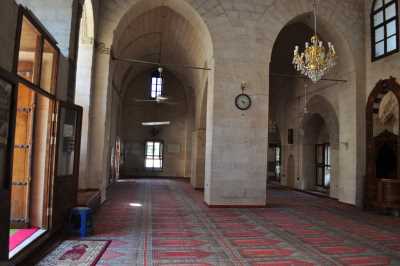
x,y
66,141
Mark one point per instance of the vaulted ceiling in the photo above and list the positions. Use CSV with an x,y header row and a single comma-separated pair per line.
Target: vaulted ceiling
x,y
160,35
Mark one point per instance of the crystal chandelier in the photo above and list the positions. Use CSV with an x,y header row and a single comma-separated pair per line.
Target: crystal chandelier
x,y
314,62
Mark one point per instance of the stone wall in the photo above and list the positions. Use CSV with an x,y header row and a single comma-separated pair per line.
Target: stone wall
x,y
240,39
374,71
174,136
242,35
382,68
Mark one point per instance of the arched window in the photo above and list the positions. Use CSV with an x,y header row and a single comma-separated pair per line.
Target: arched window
x,y
384,28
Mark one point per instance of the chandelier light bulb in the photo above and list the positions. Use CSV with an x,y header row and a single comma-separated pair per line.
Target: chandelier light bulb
x,y
316,60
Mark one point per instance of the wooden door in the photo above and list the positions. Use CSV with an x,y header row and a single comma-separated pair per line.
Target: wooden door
x,y
21,173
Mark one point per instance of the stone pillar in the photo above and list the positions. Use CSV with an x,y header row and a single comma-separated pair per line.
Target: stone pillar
x,y
198,158
346,190
98,133
236,148
82,98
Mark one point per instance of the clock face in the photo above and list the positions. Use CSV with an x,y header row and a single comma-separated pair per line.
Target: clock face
x,y
243,101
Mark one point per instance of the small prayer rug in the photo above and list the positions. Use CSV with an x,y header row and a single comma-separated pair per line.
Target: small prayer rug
x,y
76,253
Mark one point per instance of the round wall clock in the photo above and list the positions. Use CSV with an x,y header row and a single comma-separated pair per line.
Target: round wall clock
x,y
243,101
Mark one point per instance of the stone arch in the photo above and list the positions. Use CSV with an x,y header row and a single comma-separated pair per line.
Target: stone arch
x,y
329,26
125,16
320,105
320,125
333,25
329,29
137,14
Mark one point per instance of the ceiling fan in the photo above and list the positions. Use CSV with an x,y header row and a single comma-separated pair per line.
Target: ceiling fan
x,y
158,99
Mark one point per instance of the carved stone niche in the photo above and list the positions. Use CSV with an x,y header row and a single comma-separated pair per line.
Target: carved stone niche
x,y
382,183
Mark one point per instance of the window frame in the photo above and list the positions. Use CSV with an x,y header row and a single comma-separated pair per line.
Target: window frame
x,y
384,24
23,12
326,146
153,169
278,163
156,74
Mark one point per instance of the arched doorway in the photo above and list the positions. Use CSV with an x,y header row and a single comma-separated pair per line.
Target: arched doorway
x,y
151,35
163,32
316,154
293,98
320,147
382,185
343,97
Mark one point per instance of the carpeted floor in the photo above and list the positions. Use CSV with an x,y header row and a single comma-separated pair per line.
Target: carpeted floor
x,y
163,222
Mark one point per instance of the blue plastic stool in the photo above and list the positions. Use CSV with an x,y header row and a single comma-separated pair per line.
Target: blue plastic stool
x,y
80,221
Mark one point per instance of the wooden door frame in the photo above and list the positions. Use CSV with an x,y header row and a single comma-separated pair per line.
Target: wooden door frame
x,y
50,161
77,144
370,182
36,87
5,188
44,36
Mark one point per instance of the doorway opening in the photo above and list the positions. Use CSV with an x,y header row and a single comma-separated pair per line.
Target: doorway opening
x,y
317,155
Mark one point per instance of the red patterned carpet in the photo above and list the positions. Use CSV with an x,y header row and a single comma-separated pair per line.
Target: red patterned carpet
x,y
163,222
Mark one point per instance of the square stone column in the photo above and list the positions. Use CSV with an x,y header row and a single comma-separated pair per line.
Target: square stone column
x,y
198,158
236,141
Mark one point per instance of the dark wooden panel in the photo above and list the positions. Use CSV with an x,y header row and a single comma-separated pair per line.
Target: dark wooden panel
x,y
4,223
389,193
64,198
